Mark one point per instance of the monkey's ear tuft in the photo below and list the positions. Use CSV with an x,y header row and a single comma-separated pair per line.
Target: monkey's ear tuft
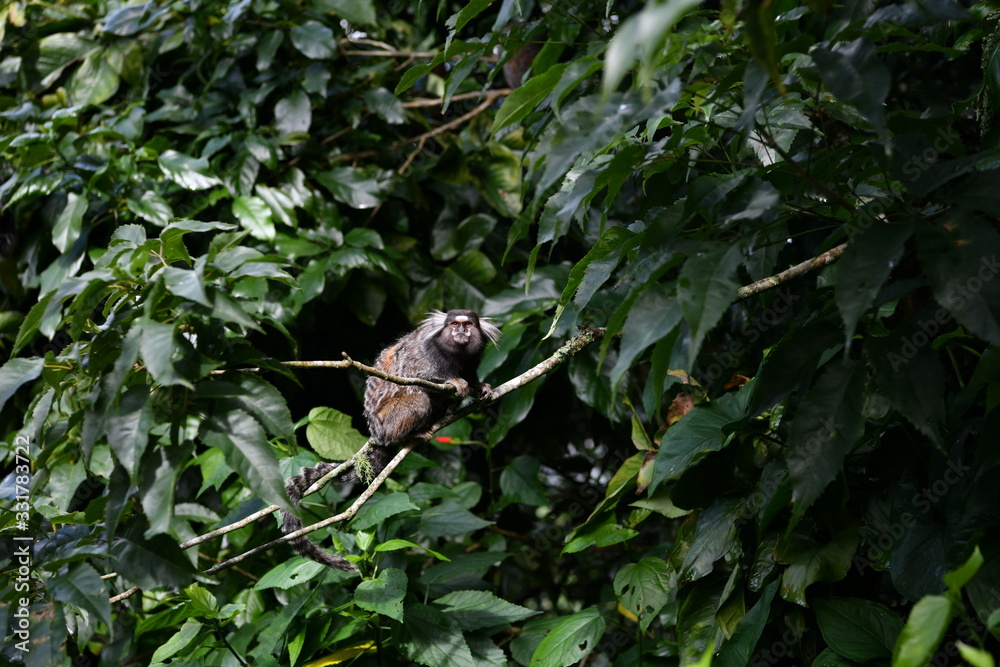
x,y
491,330
435,319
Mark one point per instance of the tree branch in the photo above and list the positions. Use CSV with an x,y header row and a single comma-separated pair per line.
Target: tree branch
x,y
568,349
817,262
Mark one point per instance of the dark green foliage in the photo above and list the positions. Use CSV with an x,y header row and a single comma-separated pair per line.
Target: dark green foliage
x,y
805,474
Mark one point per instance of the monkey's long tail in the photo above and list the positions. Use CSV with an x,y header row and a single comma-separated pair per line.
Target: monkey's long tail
x,y
290,523
378,458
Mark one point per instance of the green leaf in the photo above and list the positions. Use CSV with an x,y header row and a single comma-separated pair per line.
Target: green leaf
x,y
706,288
700,431
976,657
911,376
643,588
186,283
178,642
740,648
864,268
331,435
957,579
247,451
314,40
18,372
795,356
352,187
151,207
394,545
82,586
857,629
267,47
188,172
293,113
128,426
158,348
380,508
291,573
524,99
56,52
855,74
961,264
809,562
383,595
655,313
827,424
571,640
519,482
255,395
450,518
95,80
640,38
923,631
150,562
714,536
68,223
430,637
358,12
474,610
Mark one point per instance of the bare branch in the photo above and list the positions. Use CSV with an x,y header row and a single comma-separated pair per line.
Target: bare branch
x,y
817,262
343,516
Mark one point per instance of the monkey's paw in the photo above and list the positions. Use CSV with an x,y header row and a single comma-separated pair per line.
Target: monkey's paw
x,y
461,387
485,392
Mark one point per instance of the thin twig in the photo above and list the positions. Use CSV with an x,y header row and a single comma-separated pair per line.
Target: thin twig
x,y
568,349
438,101
343,516
794,272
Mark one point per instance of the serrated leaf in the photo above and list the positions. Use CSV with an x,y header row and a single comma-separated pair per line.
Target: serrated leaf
x,y
655,313
706,288
358,12
450,518
644,588
244,443
255,395
700,431
714,534
331,435
568,642
82,586
254,216
128,427
430,637
865,266
186,283
827,424
474,610
855,74
377,510
383,595
158,347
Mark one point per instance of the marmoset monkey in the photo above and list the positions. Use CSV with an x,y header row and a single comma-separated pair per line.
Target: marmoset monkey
x,y
445,348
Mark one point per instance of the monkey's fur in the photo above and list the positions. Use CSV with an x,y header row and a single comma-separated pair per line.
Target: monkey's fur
x,y
446,348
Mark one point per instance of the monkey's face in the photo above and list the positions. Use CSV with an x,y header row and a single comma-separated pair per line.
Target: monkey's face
x,y
460,329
